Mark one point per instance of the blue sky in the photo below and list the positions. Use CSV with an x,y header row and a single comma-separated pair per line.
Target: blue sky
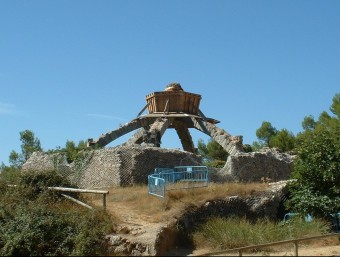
x,y
72,70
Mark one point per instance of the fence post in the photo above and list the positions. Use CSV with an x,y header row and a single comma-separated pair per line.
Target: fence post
x,y
296,248
104,201
164,188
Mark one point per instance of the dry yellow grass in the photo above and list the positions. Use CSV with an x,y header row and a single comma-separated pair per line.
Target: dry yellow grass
x,y
136,197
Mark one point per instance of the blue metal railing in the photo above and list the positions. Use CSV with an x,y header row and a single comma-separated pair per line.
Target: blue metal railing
x,y
179,177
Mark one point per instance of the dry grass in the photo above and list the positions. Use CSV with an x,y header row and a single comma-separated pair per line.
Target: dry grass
x,y
233,232
136,197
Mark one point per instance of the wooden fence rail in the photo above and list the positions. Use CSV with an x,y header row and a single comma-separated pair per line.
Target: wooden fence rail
x,y
78,190
295,241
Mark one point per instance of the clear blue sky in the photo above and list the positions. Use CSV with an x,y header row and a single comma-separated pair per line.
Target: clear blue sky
x,y
72,70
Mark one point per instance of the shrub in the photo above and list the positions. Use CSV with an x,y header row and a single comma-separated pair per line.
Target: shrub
x,y
47,225
32,183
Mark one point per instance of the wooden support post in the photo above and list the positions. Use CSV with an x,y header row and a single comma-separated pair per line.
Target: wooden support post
x,y
104,201
296,248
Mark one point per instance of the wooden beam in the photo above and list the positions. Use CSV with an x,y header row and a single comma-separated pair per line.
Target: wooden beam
x,y
78,190
77,201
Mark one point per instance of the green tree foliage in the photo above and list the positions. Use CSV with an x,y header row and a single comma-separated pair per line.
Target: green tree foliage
x,y
317,166
247,148
29,144
213,153
71,150
308,123
9,174
216,151
37,182
269,136
202,149
257,145
266,132
335,107
284,140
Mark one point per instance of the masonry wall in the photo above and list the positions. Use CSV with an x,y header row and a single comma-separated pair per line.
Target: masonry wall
x,y
269,165
116,166
131,164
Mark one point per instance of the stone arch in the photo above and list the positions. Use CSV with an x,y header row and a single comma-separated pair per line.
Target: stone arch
x,y
150,130
232,144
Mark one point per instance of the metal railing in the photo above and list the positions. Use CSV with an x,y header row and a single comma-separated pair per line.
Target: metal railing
x,y
294,241
180,177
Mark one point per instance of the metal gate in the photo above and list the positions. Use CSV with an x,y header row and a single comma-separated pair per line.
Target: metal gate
x,y
180,177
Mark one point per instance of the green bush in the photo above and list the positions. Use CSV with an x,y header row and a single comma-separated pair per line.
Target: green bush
x,y
9,174
32,183
316,187
43,224
216,163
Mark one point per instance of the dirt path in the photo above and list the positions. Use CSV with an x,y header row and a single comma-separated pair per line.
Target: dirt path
x,y
135,227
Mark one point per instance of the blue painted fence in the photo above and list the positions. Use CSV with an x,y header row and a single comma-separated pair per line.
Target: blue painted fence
x,y
179,177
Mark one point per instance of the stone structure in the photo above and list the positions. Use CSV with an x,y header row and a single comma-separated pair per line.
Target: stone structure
x,y
171,108
108,167
130,164
268,164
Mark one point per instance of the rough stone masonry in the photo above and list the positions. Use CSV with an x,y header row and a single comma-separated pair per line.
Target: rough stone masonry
x,y
131,164
113,166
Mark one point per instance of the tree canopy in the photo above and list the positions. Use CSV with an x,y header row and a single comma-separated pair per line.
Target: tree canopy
x,y
29,144
213,153
316,188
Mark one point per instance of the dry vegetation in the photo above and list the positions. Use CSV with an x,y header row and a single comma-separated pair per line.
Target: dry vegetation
x,y
136,198
134,204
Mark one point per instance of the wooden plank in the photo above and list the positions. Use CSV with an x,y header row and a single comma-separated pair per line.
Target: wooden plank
x,y
78,190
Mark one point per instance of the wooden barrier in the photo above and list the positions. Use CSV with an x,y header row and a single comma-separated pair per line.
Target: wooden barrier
x,y
77,201
78,190
295,241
